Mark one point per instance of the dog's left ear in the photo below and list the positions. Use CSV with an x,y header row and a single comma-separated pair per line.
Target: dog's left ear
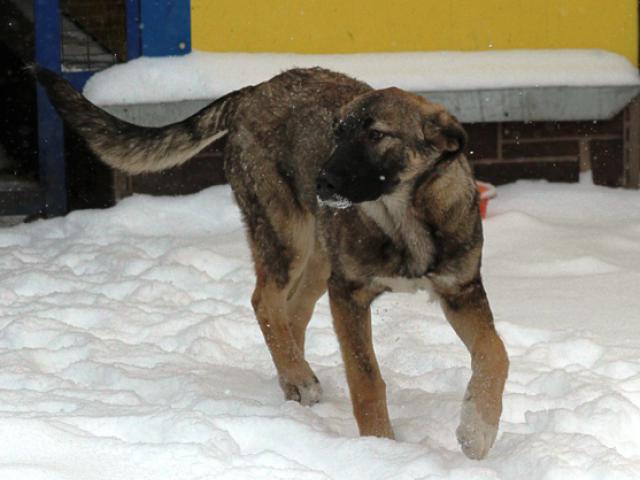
x,y
443,131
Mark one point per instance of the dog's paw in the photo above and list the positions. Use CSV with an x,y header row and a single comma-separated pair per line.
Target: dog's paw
x,y
306,393
475,436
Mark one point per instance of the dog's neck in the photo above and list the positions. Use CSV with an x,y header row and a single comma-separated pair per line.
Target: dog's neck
x,y
396,217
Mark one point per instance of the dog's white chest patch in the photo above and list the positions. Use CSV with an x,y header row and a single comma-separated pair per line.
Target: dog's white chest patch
x,y
393,215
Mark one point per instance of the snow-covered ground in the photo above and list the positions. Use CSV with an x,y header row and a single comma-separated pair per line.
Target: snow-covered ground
x,y
206,75
128,350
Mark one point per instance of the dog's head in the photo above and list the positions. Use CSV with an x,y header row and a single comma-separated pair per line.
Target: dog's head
x,y
385,139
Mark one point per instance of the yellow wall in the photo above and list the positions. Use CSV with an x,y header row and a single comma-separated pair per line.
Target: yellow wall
x,y
347,26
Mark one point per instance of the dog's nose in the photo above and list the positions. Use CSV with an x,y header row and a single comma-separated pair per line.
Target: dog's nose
x,y
326,185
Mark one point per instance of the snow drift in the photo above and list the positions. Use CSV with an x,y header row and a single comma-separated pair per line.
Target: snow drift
x,y
128,349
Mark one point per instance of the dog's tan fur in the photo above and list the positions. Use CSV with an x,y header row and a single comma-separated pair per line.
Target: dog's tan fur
x,y
423,232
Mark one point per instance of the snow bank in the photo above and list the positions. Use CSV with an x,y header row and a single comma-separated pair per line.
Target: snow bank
x,y
202,75
128,350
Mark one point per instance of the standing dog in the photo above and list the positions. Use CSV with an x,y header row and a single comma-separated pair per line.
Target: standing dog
x,y
342,188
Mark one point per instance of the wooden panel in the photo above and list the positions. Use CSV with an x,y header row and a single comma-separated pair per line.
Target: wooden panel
x,y
202,171
91,182
483,140
606,162
17,31
632,145
545,130
541,149
501,172
18,121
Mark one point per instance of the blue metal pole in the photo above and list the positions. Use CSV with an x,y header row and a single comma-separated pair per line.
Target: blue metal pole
x,y
134,30
53,178
78,79
166,27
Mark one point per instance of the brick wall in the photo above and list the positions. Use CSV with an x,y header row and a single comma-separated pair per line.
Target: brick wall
x,y
555,151
499,152
204,170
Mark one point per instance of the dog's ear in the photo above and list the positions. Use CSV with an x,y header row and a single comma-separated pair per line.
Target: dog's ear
x,y
445,133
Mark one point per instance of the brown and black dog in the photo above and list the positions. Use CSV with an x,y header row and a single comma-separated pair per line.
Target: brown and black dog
x,y
342,188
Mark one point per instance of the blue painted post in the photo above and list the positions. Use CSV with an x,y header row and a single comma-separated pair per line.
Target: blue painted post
x,y
53,179
134,32
154,27
78,79
165,27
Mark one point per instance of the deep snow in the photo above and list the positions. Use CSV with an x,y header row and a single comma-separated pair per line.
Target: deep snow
x,y
206,75
128,350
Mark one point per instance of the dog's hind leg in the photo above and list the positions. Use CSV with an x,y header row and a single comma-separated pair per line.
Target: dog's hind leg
x,y
296,378
469,314
352,321
283,303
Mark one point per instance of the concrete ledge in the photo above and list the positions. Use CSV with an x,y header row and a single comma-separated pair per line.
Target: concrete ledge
x,y
470,106
536,104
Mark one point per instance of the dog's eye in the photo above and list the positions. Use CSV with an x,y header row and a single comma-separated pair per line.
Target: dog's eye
x,y
376,135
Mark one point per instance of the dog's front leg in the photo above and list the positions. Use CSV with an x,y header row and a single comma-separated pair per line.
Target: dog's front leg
x,y
469,314
352,321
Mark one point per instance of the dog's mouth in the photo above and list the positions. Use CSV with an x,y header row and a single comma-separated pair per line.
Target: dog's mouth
x,y
327,185
334,201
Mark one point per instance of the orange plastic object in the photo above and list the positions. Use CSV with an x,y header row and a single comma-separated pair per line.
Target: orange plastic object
x,y
487,192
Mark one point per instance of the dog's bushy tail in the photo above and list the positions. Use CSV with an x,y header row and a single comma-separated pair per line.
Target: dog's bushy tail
x,y
133,148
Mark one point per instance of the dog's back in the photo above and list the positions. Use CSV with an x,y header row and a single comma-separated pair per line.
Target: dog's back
x,y
281,133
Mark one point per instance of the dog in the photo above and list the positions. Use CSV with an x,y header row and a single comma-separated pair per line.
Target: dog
x,y
344,189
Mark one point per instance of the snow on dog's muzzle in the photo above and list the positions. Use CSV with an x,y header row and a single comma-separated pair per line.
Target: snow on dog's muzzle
x,y
334,202
327,186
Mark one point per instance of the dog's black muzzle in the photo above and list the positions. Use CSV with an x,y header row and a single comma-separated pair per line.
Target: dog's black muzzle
x,y
327,185
349,176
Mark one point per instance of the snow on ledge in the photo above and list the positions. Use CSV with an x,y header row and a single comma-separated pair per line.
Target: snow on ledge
x,y
201,75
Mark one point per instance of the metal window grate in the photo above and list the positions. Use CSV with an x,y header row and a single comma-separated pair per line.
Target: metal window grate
x,y
93,34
